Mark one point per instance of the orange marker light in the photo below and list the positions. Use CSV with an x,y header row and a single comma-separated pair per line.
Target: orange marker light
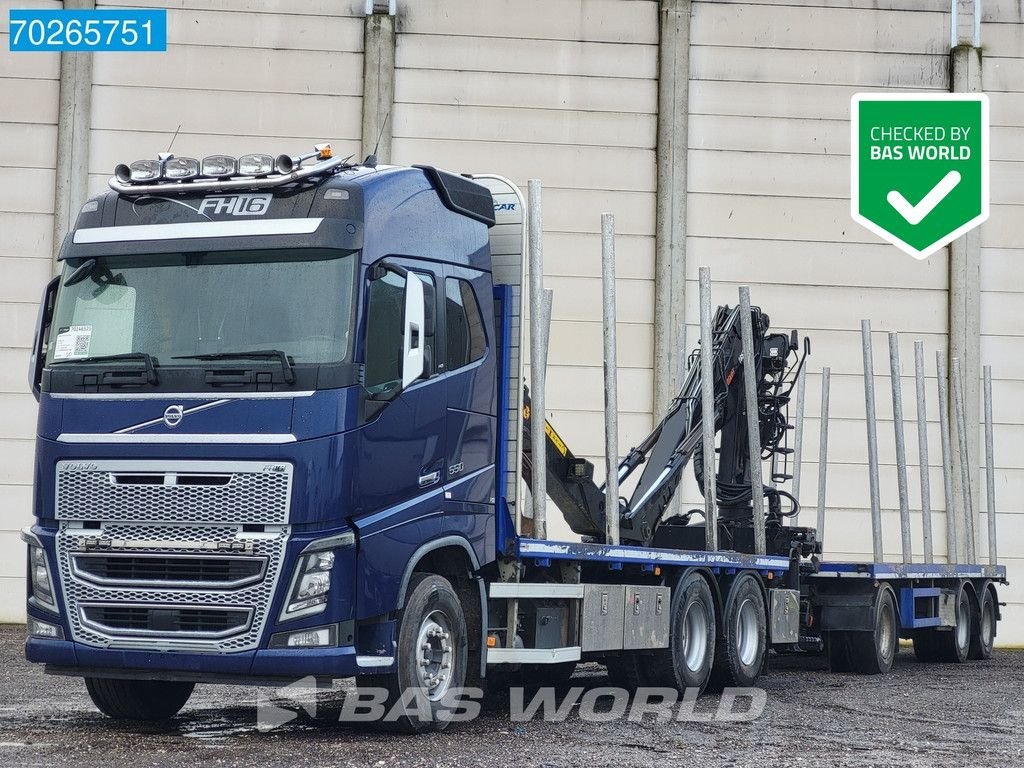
x,y
324,151
492,641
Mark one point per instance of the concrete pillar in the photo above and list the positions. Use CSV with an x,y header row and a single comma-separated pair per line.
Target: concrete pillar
x,y
964,267
74,114
378,79
670,253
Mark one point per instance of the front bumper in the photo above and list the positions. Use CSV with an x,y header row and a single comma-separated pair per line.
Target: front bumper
x,y
70,658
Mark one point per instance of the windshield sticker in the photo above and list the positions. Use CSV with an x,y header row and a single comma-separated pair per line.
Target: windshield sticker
x,y
72,343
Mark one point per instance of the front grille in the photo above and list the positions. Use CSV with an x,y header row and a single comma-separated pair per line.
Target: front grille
x,y
159,620
149,548
253,492
174,571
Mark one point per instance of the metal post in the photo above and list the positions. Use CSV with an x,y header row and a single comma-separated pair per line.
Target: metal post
x,y
538,358
947,459
753,425
798,437
971,553
990,468
826,376
611,400
922,449
901,446
707,408
871,413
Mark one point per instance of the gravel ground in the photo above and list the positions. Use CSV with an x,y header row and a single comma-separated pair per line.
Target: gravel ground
x,y
919,715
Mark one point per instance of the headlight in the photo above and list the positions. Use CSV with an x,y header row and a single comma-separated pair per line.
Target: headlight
x,y
144,170
255,165
311,581
39,574
218,166
181,168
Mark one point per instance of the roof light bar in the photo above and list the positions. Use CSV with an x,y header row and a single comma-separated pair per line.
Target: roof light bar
x,y
217,173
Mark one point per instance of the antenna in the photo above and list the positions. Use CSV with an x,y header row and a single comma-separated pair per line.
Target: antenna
x,y
371,159
174,137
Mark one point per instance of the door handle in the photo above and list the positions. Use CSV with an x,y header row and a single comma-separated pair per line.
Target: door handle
x,y
430,479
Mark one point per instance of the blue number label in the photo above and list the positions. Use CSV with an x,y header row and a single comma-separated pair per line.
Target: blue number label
x,y
98,30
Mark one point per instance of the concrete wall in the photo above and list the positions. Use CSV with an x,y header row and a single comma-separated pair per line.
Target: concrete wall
x,y
28,141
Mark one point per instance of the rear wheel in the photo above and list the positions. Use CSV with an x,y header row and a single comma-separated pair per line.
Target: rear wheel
x,y
138,699
688,660
742,643
954,646
984,630
432,655
873,653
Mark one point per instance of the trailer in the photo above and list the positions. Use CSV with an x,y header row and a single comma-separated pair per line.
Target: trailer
x,y
286,430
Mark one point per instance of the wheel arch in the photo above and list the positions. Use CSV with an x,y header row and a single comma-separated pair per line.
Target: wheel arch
x,y
453,558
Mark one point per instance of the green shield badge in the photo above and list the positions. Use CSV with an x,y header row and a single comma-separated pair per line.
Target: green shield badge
x,y
919,167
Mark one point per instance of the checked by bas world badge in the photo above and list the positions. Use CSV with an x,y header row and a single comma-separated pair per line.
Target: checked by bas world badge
x,y
919,167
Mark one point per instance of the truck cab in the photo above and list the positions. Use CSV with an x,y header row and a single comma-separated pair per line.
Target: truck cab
x,y
267,407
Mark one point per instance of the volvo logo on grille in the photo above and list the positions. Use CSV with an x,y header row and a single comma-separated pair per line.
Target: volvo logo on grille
x,y
173,415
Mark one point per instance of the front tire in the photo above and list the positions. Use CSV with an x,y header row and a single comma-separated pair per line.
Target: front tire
x,y
432,657
742,646
144,700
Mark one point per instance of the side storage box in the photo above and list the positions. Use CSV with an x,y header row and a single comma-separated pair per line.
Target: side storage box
x,y
602,617
647,616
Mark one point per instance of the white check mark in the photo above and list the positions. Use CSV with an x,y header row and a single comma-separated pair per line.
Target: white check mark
x,y
915,213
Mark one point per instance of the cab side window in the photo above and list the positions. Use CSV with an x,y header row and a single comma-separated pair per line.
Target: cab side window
x,y
467,342
384,332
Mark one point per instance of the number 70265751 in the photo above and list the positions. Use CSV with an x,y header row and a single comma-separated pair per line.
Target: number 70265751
x,y
95,30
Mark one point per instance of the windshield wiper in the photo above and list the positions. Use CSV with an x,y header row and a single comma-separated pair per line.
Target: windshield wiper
x,y
277,354
144,357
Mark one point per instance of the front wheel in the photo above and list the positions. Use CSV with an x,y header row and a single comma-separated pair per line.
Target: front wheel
x,y
138,699
432,657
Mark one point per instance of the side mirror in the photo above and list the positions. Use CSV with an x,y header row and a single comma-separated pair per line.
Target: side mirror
x,y
413,359
43,319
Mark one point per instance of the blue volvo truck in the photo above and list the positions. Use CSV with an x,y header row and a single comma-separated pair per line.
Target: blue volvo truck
x,y
281,435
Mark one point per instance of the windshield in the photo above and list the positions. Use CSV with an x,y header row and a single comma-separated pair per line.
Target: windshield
x,y
183,305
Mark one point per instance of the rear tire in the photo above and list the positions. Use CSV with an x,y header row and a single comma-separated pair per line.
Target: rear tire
x,y
742,642
873,653
146,700
433,616
983,633
954,646
688,660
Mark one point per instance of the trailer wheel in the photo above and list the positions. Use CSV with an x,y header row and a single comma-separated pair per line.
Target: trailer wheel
x,y
432,656
954,646
873,652
138,699
740,652
984,631
688,660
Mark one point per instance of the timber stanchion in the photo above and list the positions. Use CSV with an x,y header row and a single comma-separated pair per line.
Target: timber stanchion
x,y
922,448
872,425
970,550
947,459
990,468
753,423
538,360
826,375
901,447
611,400
707,407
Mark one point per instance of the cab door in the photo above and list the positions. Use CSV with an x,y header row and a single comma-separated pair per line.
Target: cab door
x,y
470,361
